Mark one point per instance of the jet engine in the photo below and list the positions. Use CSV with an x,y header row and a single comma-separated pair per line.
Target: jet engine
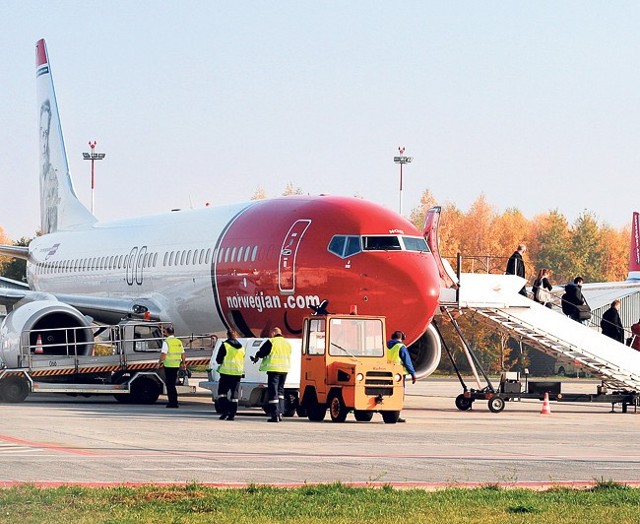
x,y
426,352
49,327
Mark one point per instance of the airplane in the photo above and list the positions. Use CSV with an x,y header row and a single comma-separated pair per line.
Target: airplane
x,y
248,266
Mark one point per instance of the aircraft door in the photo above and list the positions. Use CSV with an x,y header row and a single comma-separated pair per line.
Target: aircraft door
x,y
288,253
131,266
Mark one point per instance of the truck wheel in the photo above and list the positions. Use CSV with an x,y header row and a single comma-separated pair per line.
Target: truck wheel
x,y
496,404
363,416
145,390
337,408
123,398
315,411
14,389
390,417
301,411
463,403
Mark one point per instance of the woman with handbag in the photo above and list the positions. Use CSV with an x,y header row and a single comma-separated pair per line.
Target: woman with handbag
x,y
542,287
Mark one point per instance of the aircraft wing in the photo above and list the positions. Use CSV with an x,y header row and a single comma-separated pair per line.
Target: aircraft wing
x,y
102,309
14,251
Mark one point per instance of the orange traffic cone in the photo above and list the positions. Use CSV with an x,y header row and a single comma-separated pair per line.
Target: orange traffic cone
x,y
39,345
546,407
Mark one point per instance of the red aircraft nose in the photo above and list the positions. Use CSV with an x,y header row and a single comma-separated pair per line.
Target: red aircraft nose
x,y
404,287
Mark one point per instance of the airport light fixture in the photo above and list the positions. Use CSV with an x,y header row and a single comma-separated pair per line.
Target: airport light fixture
x,y
402,160
93,156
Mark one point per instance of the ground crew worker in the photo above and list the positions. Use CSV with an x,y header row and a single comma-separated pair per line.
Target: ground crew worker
x,y
172,359
276,361
397,353
231,359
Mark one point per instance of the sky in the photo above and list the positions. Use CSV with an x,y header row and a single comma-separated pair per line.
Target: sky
x,y
535,104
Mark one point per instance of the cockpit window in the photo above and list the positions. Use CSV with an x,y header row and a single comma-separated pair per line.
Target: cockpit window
x,y
336,246
345,245
415,244
348,245
352,247
382,243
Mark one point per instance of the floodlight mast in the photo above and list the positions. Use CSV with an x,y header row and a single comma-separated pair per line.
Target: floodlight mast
x,y
93,156
402,160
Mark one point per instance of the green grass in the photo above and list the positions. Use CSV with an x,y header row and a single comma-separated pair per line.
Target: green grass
x,y
607,502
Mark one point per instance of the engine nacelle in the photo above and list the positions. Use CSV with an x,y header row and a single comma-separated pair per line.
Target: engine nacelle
x,y
426,352
57,323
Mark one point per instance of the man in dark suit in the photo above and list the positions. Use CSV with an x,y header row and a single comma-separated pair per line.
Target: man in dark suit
x,y
515,265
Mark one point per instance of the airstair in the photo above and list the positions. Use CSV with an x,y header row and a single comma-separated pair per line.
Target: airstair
x,y
495,298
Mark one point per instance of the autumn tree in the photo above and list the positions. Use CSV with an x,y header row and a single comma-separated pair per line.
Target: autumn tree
x,y
16,268
292,190
4,239
616,247
451,223
507,231
551,247
260,194
427,201
587,248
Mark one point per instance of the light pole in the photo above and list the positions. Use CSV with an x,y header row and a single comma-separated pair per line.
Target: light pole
x,y
93,156
402,160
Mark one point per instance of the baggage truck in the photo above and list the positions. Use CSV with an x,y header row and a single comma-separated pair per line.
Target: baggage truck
x,y
121,360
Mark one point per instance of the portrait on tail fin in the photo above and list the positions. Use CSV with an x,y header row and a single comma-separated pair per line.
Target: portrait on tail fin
x,y
49,198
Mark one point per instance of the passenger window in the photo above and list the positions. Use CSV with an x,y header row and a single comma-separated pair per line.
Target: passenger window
x,y
195,257
233,254
226,254
254,254
240,253
247,253
173,254
182,257
188,257
206,260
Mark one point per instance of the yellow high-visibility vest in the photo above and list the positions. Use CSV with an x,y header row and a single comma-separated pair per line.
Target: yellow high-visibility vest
x,y
393,355
233,363
279,359
174,352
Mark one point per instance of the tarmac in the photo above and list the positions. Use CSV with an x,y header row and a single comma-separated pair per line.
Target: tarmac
x,y
55,439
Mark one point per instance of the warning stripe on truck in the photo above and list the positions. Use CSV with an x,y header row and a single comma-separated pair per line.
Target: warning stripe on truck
x,y
53,371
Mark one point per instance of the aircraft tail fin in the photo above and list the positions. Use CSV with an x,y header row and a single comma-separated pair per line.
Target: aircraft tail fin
x,y
60,208
634,255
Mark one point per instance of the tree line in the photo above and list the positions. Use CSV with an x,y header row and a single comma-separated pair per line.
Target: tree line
x,y
586,247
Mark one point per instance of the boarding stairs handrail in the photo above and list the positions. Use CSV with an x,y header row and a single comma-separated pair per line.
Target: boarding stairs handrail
x,y
537,337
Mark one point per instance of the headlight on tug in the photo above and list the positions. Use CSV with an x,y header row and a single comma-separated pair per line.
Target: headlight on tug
x,y
359,377
398,377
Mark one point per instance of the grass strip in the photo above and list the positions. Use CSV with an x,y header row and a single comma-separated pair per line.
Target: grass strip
x,y
335,503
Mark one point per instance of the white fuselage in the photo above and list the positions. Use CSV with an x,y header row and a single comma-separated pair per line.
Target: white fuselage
x,y
166,258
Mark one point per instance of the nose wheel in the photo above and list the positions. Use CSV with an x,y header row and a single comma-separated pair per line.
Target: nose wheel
x,y
463,403
496,404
